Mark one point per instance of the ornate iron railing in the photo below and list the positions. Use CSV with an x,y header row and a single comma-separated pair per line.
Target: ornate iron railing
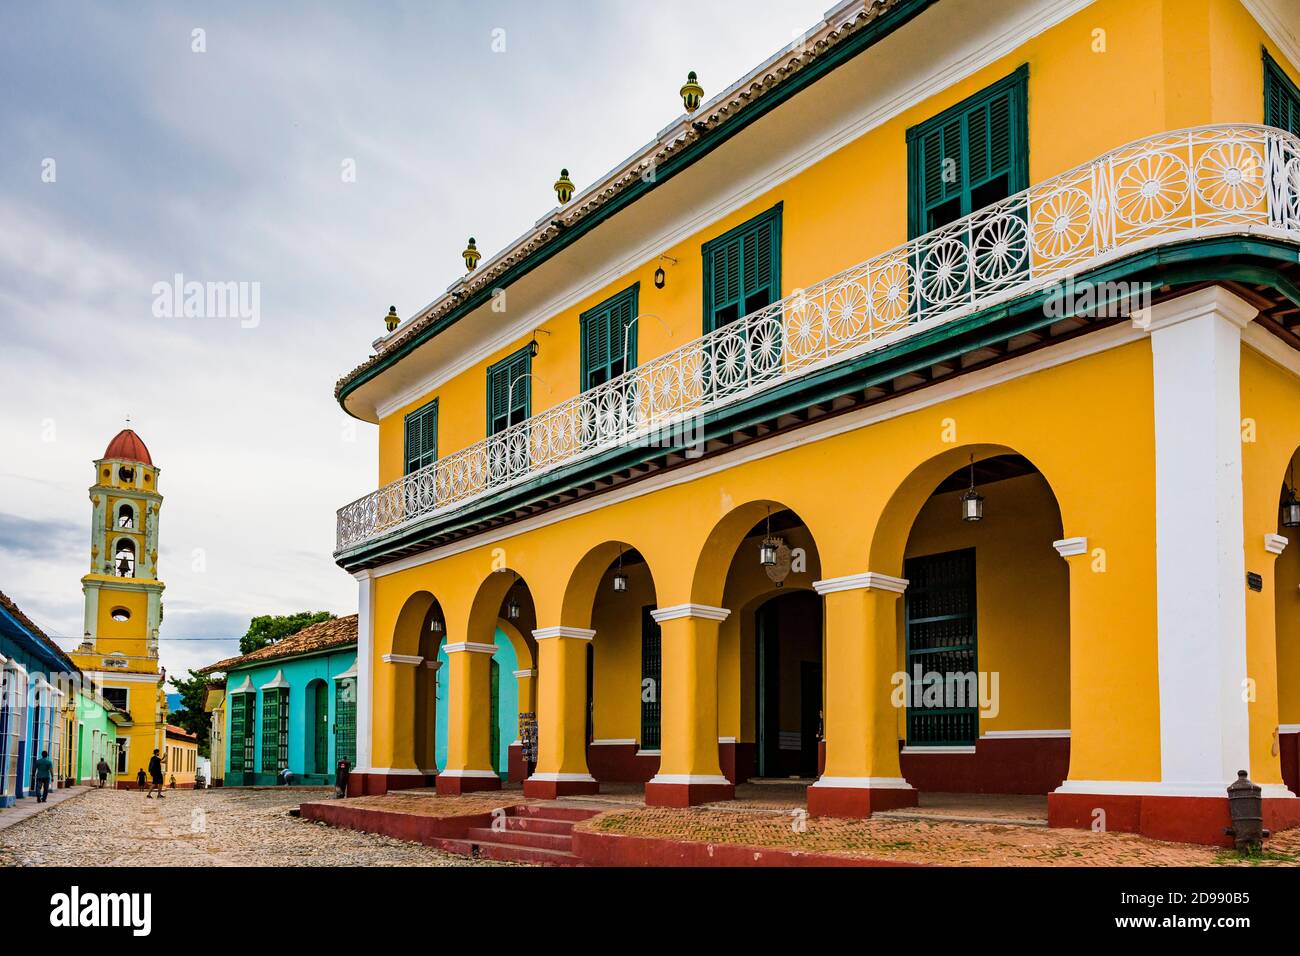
x,y
1188,184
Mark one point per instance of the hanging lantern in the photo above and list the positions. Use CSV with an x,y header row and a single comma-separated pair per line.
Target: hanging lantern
x,y
692,92
972,503
512,609
533,347
1291,506
767,550
391,320
471,255
620,577
435,626
564,187
660,278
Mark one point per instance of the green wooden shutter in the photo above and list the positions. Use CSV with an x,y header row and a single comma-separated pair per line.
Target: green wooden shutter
x,y
238,712
508,406
1281,98
345,721
270,730
742,270
986,138
422,437
606,330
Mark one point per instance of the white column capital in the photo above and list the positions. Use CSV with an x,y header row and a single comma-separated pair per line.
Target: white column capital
x,y
1214,300
1275,543
866,581
701,612
526,672
402,659
469,647
1070,547
561,630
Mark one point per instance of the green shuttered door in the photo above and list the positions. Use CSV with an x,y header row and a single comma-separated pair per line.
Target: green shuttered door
x,y
1281,98
508,406
422,437
742,270
941,639
604,329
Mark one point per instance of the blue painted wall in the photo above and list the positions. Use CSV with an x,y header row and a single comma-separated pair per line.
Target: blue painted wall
x,y
301,673
508,704
18,644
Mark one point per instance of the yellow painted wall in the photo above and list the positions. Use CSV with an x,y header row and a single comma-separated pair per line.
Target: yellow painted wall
x,y
1075,422
851,205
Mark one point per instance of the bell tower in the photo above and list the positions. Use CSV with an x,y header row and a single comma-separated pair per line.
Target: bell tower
x,y
123,596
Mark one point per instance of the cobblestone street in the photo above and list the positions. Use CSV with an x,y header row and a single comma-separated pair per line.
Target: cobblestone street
x,y
200,828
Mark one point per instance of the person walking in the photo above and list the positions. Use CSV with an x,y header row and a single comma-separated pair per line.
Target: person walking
x,y
44,774
102,769
139,779
156,765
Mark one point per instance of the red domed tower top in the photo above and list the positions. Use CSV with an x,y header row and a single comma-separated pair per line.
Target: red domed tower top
x,y
127,446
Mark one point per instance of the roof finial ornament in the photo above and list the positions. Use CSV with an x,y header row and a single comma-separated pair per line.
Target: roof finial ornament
x,y
564,187
391,321
692,92
471,255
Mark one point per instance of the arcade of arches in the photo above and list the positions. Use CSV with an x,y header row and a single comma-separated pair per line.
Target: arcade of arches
x,y
888,646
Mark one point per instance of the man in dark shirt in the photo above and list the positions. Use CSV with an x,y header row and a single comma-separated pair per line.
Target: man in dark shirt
x,y
156,765
44,773
102,767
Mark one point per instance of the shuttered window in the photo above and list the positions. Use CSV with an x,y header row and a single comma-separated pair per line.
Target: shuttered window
x,y
508,405
742,270
969,156
651,670
1281,98
422,437
345,720
275,730
609,338
942,646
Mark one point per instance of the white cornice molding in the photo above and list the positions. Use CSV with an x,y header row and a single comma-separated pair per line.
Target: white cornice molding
x,y
470,647
577,633
277,682
613,743
403,658
933,79
1271,347
700,612
867,581
526,672
1275,543
1070,547
1212,300
1053,356
1022,734
1274,22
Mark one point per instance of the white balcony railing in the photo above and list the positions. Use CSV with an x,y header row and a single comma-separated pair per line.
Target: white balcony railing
x,y
1190,184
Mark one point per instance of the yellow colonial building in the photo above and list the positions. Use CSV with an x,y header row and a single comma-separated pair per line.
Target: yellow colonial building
x,y
123,603
918,413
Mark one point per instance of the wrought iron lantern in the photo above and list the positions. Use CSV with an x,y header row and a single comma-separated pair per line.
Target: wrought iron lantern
x,y
692,92
767,550
391,320
1291,506
660,278
435,626
564,187
972,503
512,604
533,347
471,255
620,576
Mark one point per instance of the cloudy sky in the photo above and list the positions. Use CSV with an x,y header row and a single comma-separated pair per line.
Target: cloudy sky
x,y
134,149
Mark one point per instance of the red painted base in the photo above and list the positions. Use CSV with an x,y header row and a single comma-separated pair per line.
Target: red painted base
x,y
550,789
687,794
373,784
856,801
455,786
998,765
1175,819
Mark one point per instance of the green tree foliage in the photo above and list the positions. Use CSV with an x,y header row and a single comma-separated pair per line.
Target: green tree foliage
x,y
270,628
191,716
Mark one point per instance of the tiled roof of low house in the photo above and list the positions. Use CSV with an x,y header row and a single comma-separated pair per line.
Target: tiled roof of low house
x,y
336,632
7,603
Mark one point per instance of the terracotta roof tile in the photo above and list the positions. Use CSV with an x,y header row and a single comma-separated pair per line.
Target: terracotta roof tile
x,y
336,632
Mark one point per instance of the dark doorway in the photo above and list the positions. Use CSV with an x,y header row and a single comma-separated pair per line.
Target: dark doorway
x,y
942,641
788,677
321,729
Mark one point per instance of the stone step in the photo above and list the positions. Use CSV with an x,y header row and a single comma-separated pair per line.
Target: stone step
x,y
511,854
544,841
539,825
553,812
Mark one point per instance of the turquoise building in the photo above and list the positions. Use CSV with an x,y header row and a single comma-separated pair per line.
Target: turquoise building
x,y
95,729
504,701
292,705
